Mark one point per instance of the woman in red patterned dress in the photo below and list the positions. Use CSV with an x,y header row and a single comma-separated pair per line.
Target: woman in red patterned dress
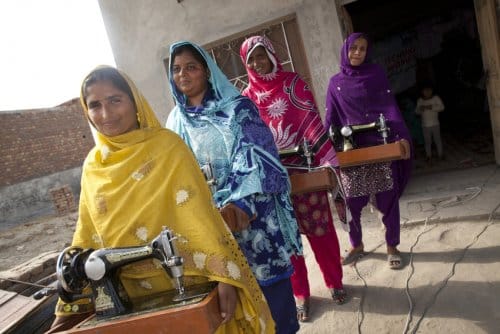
x,y
287,106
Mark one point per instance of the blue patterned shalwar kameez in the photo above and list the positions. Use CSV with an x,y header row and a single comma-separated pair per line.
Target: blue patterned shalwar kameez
x,y
227,132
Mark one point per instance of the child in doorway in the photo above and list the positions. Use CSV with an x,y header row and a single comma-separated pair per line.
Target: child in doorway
x,y
428,107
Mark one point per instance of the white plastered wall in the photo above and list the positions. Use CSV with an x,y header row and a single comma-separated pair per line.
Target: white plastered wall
x,y
140,33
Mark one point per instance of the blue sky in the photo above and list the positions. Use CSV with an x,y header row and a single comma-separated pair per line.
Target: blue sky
x,y
47,47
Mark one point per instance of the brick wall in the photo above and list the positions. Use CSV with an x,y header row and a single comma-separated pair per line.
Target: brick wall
x,y
35,143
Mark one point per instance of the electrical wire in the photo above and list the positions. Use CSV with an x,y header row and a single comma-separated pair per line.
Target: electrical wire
x,y
24,283
478,190
438,207
450,275
360,316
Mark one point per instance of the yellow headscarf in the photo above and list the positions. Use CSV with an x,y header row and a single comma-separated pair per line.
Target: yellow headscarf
x,y
136,183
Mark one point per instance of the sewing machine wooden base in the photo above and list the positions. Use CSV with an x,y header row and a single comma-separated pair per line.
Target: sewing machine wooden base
x,y
197,316
315,180
379,153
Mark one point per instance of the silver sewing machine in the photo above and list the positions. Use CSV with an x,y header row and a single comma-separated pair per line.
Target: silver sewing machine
x,y
346,133
208,171
314,178
77,268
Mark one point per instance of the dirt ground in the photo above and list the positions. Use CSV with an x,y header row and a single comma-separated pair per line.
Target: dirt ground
x,y
450,282
44,234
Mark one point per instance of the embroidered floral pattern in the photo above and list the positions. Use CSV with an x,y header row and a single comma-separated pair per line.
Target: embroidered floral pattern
x,y
144,170
282,138
142,233
234,270
277,108
216,265
101,206
269,76
199,260
181,196
262,96
137,176
96,238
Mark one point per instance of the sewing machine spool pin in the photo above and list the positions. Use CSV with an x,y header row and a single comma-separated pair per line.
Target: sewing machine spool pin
x,y
383,128
208,171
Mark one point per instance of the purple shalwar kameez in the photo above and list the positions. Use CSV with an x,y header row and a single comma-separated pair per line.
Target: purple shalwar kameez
x,y
358,95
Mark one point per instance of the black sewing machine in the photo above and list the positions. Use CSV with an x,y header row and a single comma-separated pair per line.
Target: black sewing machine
x,y
77,268
343,139
303,150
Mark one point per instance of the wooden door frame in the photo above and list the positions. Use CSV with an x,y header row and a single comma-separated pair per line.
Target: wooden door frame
x,y
487,26
488,29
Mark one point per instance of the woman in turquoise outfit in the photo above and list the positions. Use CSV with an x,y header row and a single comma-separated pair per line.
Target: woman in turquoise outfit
x,y
251,187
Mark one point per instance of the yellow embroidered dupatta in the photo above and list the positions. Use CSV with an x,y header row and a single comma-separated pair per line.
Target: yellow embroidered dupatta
x,y
136,183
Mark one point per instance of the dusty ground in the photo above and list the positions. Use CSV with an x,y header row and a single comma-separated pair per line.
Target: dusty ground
x,y
23,242
451,284
452,276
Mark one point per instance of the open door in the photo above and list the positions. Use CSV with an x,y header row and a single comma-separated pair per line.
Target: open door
x,y
487,25
344,17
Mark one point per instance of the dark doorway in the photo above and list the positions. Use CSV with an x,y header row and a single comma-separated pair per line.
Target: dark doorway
x,y
433,42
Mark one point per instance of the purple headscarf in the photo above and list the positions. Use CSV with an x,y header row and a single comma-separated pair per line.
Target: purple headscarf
x,y
345,64
358,95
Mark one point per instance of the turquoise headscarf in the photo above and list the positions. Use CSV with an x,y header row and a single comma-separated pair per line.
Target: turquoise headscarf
x,y
224,91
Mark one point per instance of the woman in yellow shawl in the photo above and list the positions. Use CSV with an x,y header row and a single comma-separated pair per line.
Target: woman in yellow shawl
x,y
140,177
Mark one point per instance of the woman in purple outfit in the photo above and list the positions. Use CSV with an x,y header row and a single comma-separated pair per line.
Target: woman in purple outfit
x,y
358,94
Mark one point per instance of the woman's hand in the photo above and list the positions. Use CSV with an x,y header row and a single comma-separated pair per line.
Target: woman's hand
x,y
227,301
236,219
406,149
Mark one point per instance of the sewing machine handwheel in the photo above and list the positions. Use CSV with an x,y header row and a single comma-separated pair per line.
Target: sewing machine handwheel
x,y
67,270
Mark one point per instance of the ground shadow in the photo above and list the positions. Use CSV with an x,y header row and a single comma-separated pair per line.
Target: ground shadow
x,y
473,255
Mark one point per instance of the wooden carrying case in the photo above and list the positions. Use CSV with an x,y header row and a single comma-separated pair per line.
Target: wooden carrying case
x,y
368,155
314,180
201,318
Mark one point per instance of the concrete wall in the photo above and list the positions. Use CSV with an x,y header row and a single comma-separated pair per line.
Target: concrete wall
x,y
140,33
